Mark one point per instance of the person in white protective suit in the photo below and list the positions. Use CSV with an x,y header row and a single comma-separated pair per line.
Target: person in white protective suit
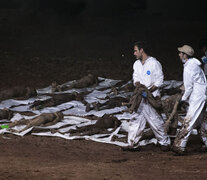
x,y
147,71
195,93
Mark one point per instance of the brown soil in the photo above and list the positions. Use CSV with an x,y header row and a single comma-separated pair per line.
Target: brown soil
x,y
32,157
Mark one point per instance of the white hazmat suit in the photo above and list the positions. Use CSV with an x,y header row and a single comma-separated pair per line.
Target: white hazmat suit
x,y
149,74
195,92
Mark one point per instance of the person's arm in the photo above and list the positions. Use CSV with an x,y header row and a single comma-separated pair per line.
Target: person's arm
x,y
188,84
136,78
159,77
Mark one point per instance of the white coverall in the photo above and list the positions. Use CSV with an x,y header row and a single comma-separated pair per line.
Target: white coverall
x,y
150,73
195,90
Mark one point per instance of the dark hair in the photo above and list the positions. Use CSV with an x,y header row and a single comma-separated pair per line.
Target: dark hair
x,y
188,56
203,43
142,45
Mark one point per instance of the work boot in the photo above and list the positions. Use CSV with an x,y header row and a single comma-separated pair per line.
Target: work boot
x,y
164,148
178,151
130,148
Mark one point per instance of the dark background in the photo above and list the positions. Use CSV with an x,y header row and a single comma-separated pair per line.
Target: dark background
x,y
46,40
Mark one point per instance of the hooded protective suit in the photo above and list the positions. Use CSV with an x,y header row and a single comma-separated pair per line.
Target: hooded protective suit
x,y
150,73
195,91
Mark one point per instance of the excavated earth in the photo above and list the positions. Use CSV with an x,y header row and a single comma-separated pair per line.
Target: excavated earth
x,y
34,157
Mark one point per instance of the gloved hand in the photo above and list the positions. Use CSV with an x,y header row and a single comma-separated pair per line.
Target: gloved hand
x,y
144,94
137,84
204,59
182,104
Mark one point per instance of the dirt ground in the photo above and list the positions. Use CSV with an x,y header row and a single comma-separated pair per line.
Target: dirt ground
x,y
32,157
37,54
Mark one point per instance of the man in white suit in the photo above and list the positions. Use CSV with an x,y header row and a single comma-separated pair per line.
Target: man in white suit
x,y
147,71
195,93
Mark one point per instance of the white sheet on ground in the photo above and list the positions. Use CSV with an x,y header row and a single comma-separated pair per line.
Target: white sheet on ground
x,y
73,110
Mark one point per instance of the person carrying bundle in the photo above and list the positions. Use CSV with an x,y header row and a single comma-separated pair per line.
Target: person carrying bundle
x,y
195,93
148,72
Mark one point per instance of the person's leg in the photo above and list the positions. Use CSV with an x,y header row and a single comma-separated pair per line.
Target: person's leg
x,y
188,124
203,128
156,123
136,128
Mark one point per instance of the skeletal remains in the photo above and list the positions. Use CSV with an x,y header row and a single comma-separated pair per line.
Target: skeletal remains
x,y
101,126
45,119
6,114
57,99
167,106
111,103
18,92
85,81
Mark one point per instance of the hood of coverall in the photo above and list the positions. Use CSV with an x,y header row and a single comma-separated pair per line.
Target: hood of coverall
x,y
192,61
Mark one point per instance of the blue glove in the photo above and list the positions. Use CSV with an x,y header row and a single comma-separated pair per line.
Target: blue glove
x,y
182,104
144,94
204,59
